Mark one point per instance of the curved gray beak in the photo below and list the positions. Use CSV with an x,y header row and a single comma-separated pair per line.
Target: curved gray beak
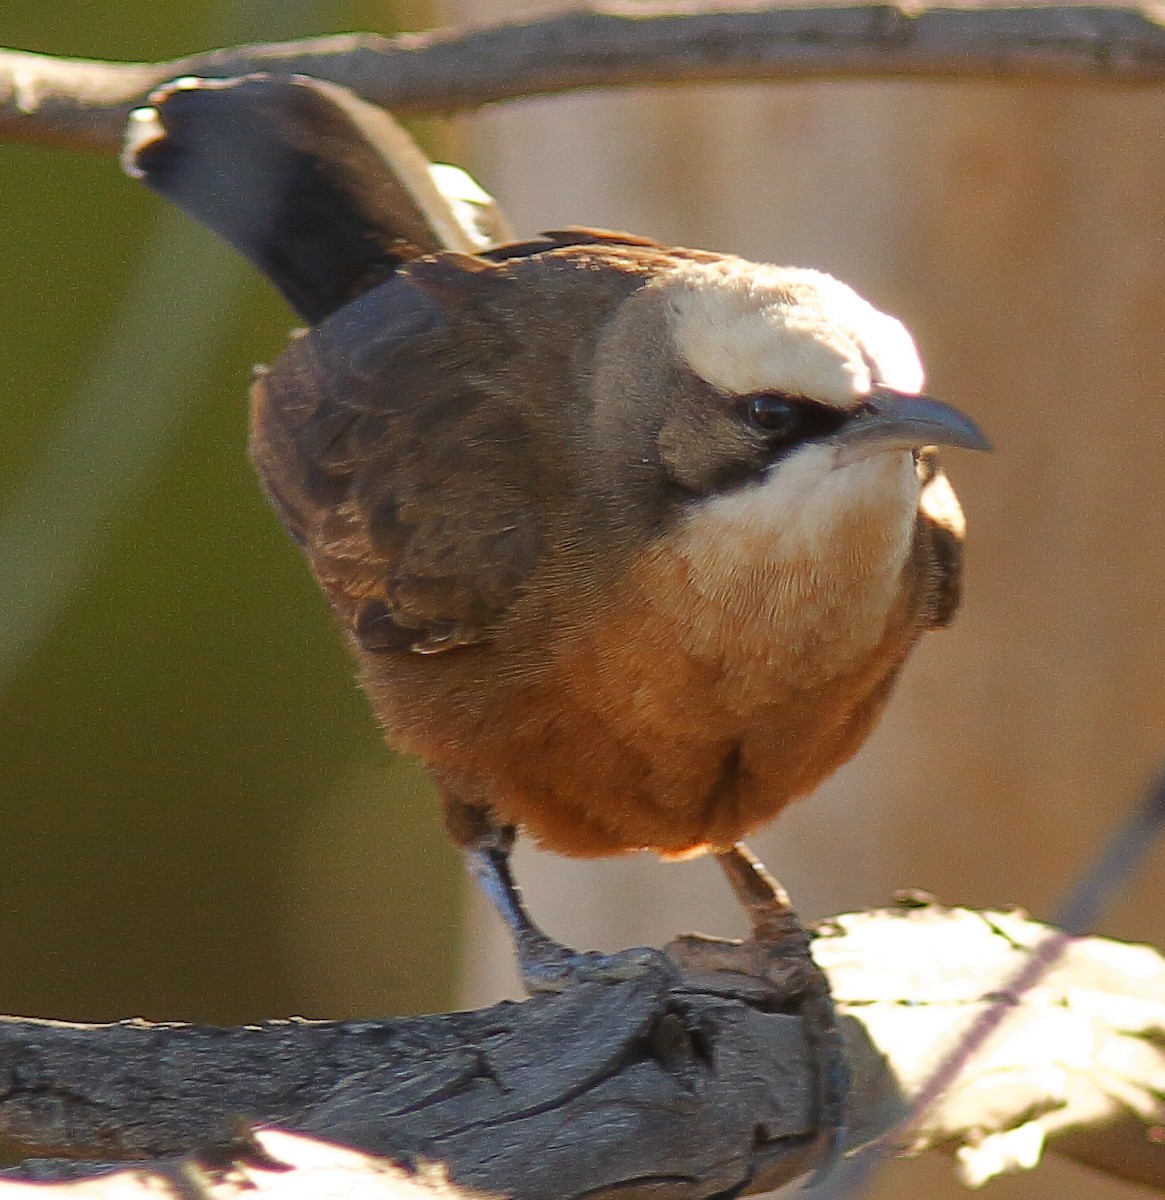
x,y
890,420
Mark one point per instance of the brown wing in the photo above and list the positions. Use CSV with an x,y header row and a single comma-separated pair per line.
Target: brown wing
x,y
414,442
941,519
402,473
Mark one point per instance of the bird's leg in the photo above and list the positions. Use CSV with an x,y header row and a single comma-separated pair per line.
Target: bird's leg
x,y
546,965
488,861
776,928
788,962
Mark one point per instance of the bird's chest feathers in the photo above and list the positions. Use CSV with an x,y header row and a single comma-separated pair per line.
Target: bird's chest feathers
x,y
740,659
786,584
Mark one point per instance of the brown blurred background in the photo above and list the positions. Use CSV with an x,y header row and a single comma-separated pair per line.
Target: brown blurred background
x,y
199,819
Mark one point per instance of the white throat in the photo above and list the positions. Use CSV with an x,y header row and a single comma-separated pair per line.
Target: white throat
x,y
806,566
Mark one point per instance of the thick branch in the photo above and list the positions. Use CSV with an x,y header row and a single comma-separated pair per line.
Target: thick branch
x,y
584,1092
691,1090
617,44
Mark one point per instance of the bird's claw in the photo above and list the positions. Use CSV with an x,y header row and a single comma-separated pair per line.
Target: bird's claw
x,y
549,966
785,971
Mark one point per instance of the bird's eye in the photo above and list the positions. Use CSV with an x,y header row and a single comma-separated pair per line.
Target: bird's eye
x,y
775,415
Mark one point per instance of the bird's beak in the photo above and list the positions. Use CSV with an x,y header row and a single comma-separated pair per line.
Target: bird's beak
x,y
890,420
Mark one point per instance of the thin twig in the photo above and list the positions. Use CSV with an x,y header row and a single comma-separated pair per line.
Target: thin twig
x,y
84,103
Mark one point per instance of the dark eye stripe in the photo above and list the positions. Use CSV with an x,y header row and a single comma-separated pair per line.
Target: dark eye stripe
x,y
785,421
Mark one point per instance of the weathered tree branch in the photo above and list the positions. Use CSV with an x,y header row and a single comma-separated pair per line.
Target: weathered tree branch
x,y
692,1090
617,44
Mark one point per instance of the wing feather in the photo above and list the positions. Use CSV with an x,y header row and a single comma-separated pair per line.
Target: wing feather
x,y
402,470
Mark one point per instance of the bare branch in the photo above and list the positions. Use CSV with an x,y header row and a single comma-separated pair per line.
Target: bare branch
x,y
688,1091
618,44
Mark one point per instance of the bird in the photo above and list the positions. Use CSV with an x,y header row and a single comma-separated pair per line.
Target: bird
x,y
629,542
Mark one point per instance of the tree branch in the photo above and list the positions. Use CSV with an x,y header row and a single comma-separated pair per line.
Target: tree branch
x,y
693,1090
83,103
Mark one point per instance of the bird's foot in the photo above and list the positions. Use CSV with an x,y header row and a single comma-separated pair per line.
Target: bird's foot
x,y
778,975
549,966
544,964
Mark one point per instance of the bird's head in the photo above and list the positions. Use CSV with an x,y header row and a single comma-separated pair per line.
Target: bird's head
x,y
776,398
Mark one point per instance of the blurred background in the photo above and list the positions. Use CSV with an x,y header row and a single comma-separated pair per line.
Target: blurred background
x,y
200,820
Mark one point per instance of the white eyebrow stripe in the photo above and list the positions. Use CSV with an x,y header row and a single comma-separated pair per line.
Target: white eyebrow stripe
x,y
750,327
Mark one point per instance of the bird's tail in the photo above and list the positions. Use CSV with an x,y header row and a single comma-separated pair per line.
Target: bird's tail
x,y
325,193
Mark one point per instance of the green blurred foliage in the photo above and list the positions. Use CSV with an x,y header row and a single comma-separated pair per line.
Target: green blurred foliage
x,y
181,737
